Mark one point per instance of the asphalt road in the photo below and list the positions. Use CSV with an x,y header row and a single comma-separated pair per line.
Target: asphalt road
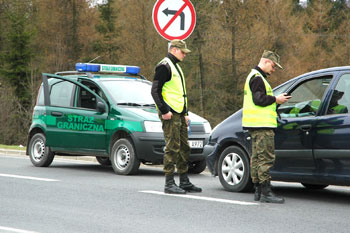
x,y
82,196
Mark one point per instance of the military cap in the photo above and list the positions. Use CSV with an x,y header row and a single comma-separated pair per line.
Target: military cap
x,y
180,44
273,57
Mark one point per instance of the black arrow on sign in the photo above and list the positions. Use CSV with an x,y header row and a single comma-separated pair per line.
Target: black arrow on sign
x,y
182,15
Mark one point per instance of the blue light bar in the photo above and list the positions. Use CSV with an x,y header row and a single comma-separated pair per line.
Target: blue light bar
x,y
86,67
91,67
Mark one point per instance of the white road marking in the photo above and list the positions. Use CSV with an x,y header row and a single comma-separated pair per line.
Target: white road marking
x,y
9,229
201,198
27,177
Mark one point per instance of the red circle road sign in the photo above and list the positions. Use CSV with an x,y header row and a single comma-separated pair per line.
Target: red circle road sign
x,y
174,19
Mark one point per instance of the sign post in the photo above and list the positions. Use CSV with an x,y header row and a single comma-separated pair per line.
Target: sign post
x,y
174,19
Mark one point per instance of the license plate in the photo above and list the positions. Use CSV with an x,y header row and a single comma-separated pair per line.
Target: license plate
x,y
195,144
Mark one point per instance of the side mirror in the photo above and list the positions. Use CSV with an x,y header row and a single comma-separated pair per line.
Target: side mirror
x,y
101,107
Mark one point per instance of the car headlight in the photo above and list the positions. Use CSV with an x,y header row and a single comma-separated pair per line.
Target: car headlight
x,y
153,126
207,127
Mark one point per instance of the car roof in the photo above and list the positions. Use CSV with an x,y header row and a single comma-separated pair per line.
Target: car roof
x,y
326,70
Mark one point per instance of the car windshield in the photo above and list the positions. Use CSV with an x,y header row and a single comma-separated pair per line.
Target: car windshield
x,y
130,92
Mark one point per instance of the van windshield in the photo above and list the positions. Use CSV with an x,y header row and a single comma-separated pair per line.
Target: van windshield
x,y
129,92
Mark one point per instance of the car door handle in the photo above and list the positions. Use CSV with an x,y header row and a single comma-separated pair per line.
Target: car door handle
x,y
57,114
305,128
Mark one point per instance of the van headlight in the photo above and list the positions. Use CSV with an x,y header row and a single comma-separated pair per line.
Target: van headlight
x,y
207,127
153,126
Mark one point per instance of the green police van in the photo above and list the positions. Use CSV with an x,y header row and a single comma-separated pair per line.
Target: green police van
x,y
105,111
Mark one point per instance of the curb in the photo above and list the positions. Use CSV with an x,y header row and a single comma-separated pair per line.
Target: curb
x,y
23,153
12,152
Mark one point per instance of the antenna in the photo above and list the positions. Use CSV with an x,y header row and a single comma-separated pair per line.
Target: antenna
x,y
94,59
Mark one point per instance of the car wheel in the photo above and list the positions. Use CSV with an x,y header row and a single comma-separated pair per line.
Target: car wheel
x,y
234,171
123,158
40,155
314,186
104,161
197,167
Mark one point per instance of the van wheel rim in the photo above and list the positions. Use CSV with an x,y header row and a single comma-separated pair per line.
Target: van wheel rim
x,y
232,169
123,157
38,150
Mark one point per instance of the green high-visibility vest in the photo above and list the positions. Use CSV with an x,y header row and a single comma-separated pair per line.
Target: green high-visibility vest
x,y
174,91
255,116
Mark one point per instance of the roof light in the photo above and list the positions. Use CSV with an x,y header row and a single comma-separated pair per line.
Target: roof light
x,y
91,67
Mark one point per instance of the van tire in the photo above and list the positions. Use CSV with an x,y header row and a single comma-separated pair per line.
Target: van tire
x,y
104,161
40,155
123,157
197,167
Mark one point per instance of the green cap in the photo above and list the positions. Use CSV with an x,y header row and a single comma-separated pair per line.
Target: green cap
x,y
273,57
180,44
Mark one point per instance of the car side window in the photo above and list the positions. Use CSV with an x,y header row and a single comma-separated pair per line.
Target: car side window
x,y
340,100
306,98
61,93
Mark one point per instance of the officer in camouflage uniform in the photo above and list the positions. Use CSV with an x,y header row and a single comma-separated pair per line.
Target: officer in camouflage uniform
x,y
260,118
169,94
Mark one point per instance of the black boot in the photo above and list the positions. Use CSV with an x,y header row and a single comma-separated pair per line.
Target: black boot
x,y
185,184
257,191
171,187
267,195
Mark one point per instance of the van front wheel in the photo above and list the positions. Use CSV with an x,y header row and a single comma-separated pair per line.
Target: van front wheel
x,y
123,157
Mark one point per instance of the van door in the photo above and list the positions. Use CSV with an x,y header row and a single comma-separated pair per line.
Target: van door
x,y
71,126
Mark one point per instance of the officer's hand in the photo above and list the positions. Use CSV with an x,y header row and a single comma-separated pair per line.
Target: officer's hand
x,y
282,98
167,116
187,119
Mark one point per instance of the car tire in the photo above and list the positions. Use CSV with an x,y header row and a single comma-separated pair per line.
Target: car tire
x,y
123,157
314,186
40,155
234,170
104,161
197,167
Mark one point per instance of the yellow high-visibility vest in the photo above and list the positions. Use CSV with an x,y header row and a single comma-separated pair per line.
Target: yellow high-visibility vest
x,y
255,116
174,91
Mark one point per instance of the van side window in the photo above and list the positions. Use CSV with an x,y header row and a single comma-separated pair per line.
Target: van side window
x,y
40,98
61,93
85,99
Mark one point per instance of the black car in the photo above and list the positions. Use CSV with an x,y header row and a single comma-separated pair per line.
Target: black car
x,y
312,139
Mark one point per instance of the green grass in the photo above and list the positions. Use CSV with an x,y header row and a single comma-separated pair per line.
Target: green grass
x,y
12,147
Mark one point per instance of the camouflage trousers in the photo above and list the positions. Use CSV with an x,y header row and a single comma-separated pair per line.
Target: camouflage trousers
x,y
177,149
263,154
